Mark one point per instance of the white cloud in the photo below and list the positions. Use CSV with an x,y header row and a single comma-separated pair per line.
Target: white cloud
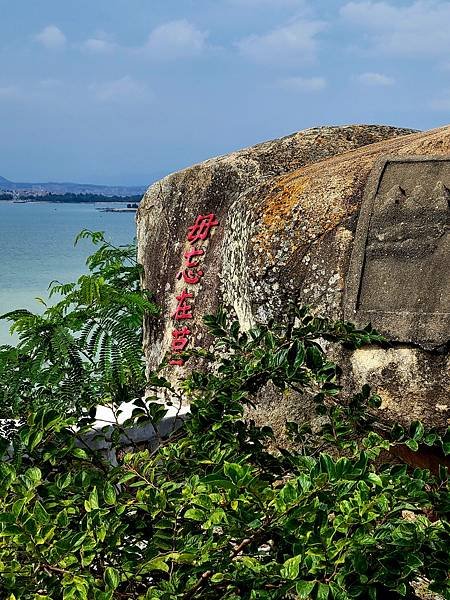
x,y
375,79
295,43
175,39
118,90
419,29
98,46
374,15
99,43
51,37
303,84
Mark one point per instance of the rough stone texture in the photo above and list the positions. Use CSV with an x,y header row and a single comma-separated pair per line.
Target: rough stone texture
x,y
288,212
171,205
398,277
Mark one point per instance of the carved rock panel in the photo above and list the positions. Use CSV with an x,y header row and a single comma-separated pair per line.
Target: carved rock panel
x,y
399,276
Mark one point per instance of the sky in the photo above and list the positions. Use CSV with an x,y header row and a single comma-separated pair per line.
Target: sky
x,y
126,91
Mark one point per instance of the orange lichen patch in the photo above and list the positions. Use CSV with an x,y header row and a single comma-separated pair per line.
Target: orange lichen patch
x,y
300,207
303,206
279,203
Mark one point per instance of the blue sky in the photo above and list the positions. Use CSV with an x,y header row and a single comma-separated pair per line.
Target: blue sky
x,y
125,91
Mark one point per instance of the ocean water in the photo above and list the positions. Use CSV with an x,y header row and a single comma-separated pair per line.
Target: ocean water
x,y
37,247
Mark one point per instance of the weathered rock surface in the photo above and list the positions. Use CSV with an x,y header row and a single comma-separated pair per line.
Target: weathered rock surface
x,y
171,205
288,212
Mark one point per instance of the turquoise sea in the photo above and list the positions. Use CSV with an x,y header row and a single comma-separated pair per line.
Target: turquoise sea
x,y
36,247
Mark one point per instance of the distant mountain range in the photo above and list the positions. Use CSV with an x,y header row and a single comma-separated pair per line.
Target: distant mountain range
x,y
74,188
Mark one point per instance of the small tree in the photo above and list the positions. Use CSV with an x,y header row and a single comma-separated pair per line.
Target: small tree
x,y
86,348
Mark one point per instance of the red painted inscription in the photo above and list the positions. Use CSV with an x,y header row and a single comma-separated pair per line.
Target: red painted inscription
x,y
191,275
183,310
201,228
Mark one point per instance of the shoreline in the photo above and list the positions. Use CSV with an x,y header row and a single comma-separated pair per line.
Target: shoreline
x,y
59,202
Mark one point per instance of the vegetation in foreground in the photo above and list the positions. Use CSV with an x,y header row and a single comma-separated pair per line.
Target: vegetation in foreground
x,y
86,347
211,513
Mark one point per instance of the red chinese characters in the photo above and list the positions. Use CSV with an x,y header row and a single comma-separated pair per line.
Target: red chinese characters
x,y
188,256
180,339
191,275
183,310
201,228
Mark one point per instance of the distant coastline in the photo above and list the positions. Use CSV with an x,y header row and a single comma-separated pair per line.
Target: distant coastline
x,y
129,209
51,187
68,198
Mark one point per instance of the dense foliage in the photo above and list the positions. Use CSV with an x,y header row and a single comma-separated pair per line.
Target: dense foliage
x,y
216,511
86,347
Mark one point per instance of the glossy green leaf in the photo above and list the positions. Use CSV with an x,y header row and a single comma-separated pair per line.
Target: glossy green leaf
x,y
112,578
304,589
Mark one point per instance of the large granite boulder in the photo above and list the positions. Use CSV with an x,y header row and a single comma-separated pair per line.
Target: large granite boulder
x,y
345,219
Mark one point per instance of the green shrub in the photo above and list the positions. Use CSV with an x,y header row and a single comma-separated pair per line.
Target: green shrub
x,y
212,513
84,349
